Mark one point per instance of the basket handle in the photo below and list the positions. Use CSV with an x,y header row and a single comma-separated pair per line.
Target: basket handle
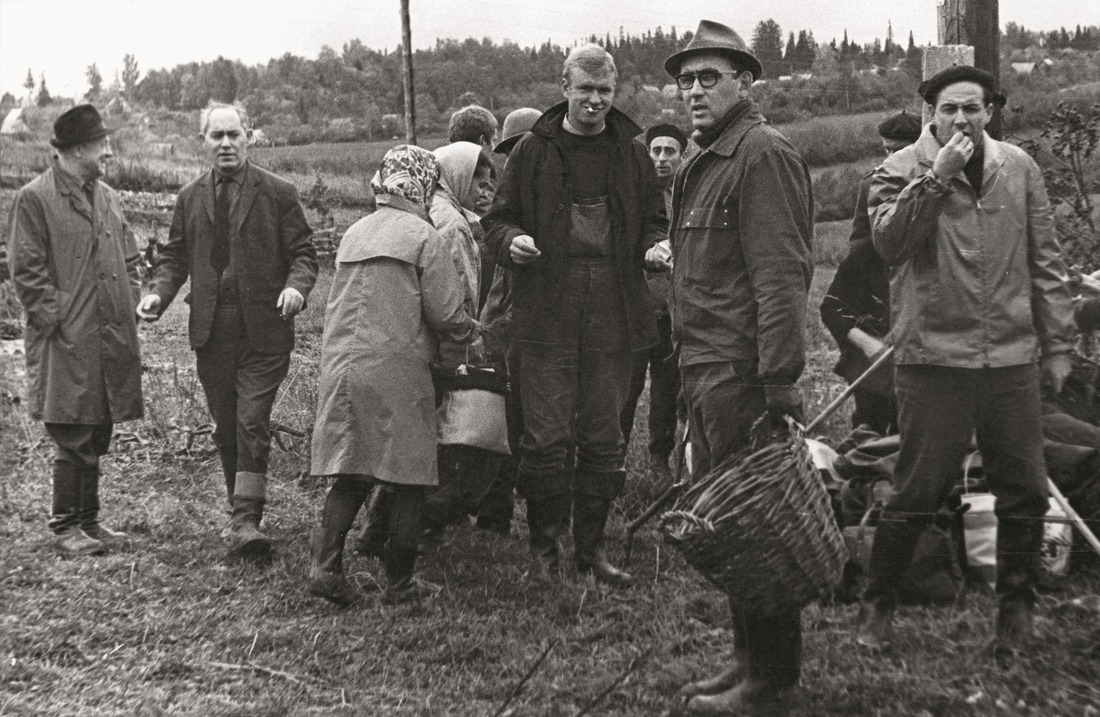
x,y
966,469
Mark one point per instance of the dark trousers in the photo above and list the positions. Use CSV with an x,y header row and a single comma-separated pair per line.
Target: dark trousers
x,y
241,385
496,509
723,400
80,445
573,387
940,408
877,412
664,385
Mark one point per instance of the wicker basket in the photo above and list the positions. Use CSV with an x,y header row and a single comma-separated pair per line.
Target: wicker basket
x,y
760,526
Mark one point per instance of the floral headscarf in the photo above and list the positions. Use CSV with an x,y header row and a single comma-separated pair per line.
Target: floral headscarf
x,y
408,171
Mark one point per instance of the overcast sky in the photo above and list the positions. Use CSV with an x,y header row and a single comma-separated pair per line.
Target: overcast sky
x,y
62,37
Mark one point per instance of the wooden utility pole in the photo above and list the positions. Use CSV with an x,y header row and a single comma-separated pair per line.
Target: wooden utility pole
x,y
974,23
407,74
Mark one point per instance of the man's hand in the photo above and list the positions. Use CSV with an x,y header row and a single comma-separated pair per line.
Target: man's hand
x,y
953,156
1054,370
291,302
523,250
659,257
865,342
782,401
148,308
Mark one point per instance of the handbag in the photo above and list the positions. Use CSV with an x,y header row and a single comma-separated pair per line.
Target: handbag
x,y
472,411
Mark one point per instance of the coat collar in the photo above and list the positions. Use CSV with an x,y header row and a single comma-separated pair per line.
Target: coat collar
x,y
549,126
400,203
728,142
928,146
70,185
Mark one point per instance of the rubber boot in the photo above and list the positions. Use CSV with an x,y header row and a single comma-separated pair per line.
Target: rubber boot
x,y
70,539
775,665
589,523
228,459
891,553
245,540
496,510
401,551
547,518
89,510
371,540
1018,556
326,570
735,672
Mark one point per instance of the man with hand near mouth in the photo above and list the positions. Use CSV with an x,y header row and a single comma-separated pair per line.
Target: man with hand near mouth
x,y
982,316
577,208
241,235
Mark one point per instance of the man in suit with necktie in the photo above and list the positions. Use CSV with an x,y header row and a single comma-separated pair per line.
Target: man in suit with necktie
x,y
241,235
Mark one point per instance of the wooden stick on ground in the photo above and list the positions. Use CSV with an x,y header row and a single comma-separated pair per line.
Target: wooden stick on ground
x,y
1078,523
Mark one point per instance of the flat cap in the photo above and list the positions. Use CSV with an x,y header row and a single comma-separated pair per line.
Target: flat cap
x,y
902,126
930,88
717,38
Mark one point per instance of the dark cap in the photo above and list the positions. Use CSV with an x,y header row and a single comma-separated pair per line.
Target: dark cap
x,y
716,38
903,126
516,124
80,124
930,88
666,130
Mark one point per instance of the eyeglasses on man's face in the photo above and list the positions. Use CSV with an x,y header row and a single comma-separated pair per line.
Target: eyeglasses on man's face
x,y
707,78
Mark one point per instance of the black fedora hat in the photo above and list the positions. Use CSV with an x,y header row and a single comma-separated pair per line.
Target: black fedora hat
x,y
80,124
717,38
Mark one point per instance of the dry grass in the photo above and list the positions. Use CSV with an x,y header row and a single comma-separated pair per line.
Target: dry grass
x,y
163,625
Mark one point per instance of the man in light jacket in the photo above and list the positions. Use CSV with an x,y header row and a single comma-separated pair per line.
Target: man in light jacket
x,y
77,272
981,314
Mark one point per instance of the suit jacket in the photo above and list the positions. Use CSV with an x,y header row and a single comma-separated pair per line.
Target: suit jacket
x,y
271,248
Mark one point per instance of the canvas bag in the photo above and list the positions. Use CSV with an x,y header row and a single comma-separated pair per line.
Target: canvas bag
x,y
932,577
472,410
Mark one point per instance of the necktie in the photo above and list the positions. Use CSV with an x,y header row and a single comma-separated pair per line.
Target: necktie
x,y
219,252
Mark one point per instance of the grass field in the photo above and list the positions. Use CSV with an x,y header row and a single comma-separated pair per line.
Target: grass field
x,y
164,626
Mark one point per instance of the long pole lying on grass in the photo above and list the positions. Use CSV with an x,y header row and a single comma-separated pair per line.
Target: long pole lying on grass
x,y
670,492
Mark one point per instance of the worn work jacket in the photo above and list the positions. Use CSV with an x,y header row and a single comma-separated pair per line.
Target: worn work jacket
x,y
77,271
977,281
394,293
534,198
742,235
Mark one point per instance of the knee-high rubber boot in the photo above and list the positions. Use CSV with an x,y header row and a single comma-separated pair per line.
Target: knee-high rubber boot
x,y
891,553
589,551
244,539
738,668
774,650
1018,558
401,548
326,571
372,537
547,518
70,539
228,459
89,509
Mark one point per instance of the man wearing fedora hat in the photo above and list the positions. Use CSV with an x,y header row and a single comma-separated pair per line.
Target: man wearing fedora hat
x,y
982,318
741,231
240,234
77,272
577,207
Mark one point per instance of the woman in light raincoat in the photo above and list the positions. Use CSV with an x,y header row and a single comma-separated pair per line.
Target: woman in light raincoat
x,y
465,472
395,293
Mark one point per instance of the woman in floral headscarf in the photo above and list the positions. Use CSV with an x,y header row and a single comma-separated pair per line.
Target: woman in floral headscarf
x,y
394,294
